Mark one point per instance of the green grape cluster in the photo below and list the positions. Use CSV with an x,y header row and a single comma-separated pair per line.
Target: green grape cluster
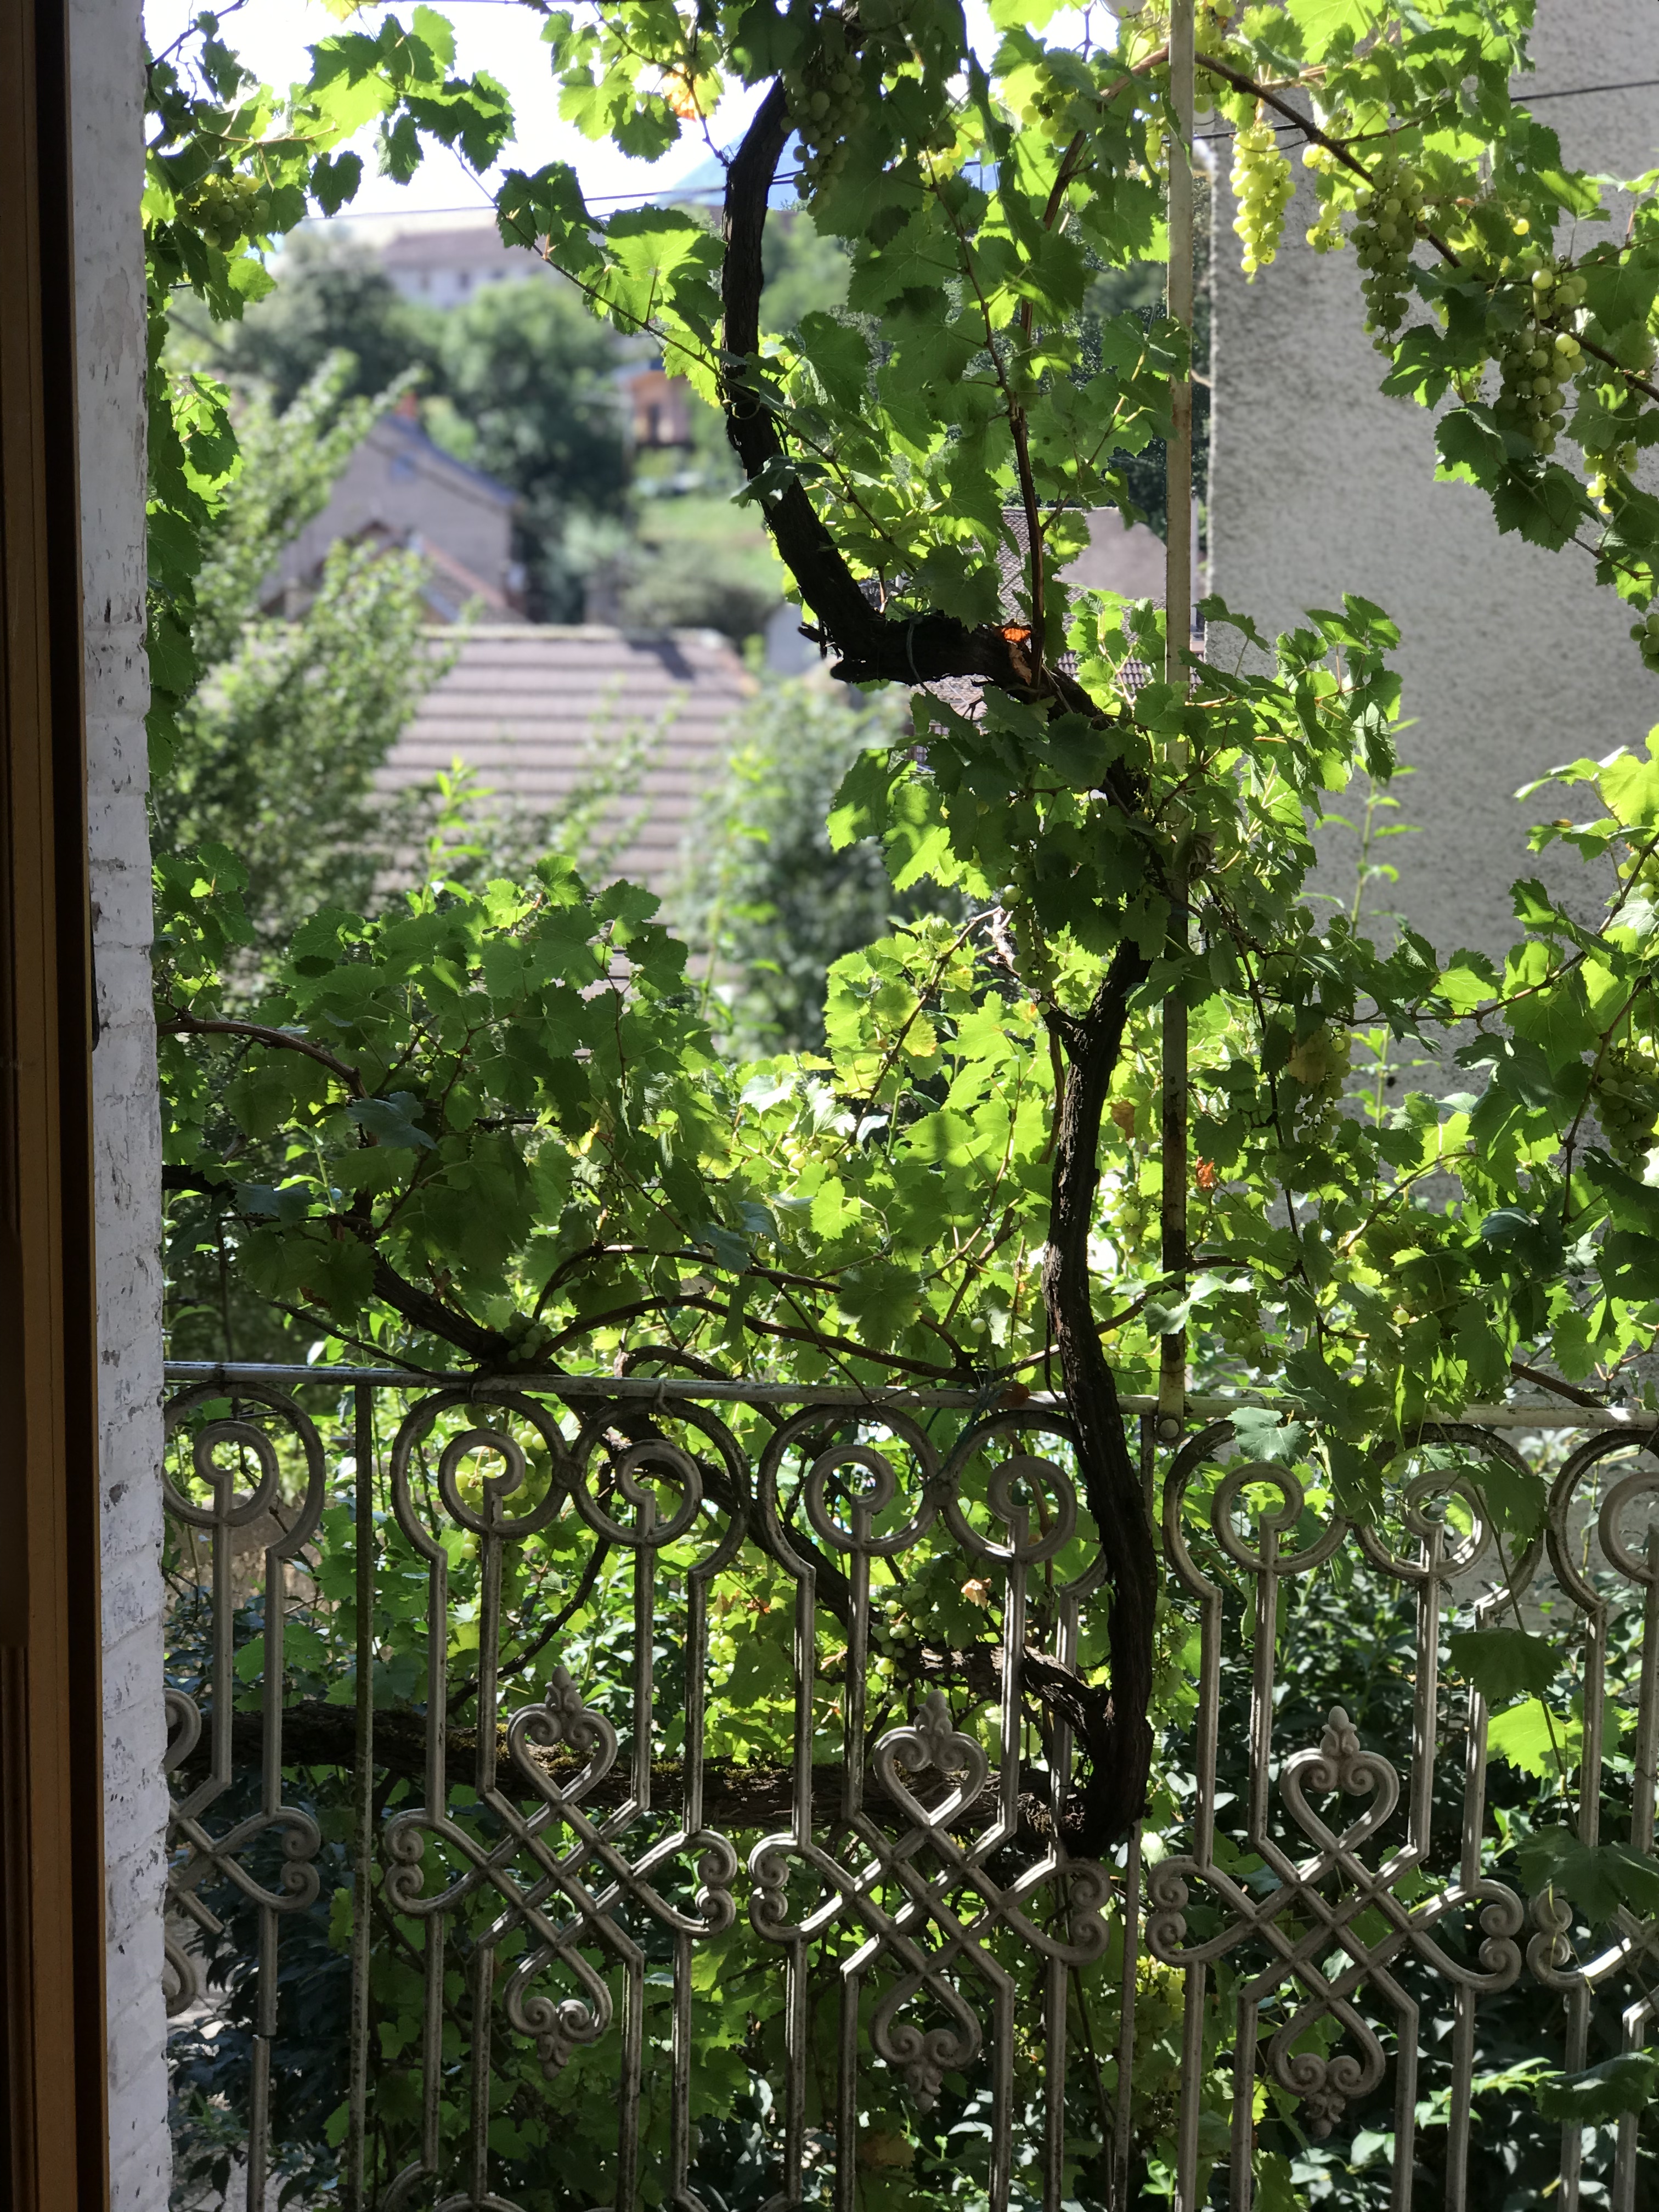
x,y
1211,21
1617,461
1325,236
523,1332
1626,1088
226,209
1262,185
1646,634
1388,212
1538,359
826,94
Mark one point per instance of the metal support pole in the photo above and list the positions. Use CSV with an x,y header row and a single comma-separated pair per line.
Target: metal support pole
x,y
1177,625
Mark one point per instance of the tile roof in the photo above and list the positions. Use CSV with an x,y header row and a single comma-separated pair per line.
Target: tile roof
x,y
533,707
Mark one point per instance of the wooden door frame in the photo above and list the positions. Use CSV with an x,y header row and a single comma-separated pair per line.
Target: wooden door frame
x,y
52,2067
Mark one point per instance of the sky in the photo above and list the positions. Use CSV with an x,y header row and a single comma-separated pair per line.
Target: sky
x,y
504,38
271,36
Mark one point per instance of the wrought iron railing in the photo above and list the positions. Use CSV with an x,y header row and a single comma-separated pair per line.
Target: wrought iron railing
x,y
694,1759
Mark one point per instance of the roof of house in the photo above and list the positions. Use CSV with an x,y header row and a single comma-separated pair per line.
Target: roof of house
x,y
404,435
451,587
539,710
459,245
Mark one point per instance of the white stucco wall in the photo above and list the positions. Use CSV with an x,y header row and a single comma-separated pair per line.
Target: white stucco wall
x,y
106,97
1512,660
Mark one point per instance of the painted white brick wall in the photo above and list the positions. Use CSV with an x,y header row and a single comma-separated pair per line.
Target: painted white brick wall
x,y
106,105
1512,659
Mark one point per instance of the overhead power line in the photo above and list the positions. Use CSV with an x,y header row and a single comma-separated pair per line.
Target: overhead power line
x,y
713,191
1522,100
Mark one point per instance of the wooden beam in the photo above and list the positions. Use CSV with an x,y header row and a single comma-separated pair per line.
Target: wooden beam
x,y
51,1911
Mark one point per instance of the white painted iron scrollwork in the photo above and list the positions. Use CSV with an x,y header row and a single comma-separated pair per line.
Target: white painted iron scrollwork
x,y
568,1880
1602,1573
244,1511
1323,1936
929,1926
546,1871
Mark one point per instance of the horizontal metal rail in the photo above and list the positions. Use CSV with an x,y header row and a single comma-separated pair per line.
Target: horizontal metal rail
x,y
1528,1415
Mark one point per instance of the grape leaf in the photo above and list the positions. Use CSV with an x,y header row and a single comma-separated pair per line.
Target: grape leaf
x,y
1600,2094
1621,290
1598,1878
389,1120
1516,1497
1532,1739
1319,21
1544,508
1504,1664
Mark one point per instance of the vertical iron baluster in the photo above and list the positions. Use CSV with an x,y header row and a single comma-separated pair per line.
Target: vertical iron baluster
x,y
273,1690
1056,1982
1128,1984
1638,2014
1192,2088
799,2018
679,2113
1587,1817
1474,1805
1122,2145
362,1801
1647,1722
484,1974
264,2033
1205,1749
847,2100
1263,1656
696,1692
437,1798
1002,2097
1404,2117
632,2039
1010,1725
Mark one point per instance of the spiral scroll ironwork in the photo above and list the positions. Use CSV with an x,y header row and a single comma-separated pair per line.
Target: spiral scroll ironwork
x,y
564,1838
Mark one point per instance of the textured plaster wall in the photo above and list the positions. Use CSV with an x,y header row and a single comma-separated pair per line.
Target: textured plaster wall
x,y
1512,660
107,94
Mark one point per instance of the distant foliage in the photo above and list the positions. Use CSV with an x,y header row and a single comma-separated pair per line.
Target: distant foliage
x,y
529,378
276,753
769,904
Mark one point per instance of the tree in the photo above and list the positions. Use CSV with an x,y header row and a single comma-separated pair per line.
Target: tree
x,y
529,379
769,904
276,752
1090,827
496,1126
330,297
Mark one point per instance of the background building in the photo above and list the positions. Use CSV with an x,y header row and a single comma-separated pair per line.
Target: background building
x,y
1513,660
446,265
399,489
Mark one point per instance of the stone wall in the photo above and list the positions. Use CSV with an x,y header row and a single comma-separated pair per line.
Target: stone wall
x,y
106,105
1513,660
